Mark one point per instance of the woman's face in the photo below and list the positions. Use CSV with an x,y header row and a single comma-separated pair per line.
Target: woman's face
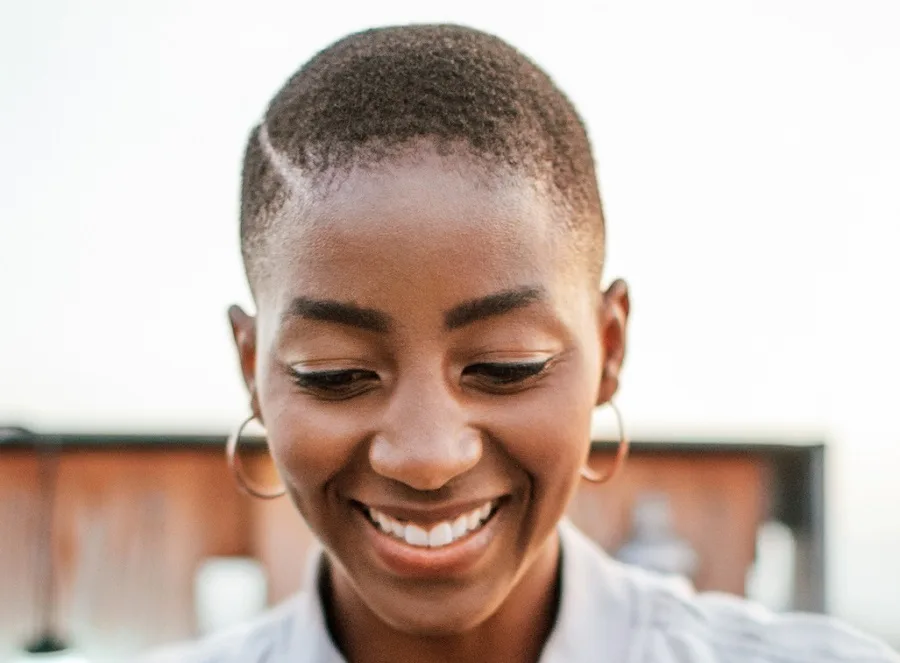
x,y
425,360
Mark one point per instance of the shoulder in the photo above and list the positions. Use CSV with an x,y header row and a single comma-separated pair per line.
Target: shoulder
x,y
264,640
689,627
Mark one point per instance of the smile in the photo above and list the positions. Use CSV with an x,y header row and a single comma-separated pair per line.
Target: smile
x,y
437,535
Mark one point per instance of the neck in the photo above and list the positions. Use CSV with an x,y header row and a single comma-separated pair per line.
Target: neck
x,y
515,633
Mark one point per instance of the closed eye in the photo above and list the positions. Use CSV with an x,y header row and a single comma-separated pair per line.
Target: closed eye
x,y
506,375
334,384
499,377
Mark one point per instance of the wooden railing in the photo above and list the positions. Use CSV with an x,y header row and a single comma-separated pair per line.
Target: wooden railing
x,y
132,521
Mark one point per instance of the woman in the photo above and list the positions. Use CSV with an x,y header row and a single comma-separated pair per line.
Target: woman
x,y
423,236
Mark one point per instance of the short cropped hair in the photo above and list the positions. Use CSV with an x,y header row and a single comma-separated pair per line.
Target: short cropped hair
x,y
376,93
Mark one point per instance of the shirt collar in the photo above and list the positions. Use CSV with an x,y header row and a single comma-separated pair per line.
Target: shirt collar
x,y
597,608
310,640
595,621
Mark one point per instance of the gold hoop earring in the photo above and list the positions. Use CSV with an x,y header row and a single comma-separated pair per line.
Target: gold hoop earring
x,y
237,470
621,454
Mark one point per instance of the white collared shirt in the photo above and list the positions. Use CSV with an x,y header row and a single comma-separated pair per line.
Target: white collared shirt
x,y
609,613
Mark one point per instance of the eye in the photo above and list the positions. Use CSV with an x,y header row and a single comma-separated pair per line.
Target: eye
x,y
335,384
506,376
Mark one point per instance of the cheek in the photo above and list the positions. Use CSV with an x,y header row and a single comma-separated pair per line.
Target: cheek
x,y
547,433
551,443
309,442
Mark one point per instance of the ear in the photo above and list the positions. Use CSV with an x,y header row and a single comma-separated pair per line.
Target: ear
x,y
243,327
613,313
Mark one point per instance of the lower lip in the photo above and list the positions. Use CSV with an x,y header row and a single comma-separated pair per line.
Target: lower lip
x,y
400,558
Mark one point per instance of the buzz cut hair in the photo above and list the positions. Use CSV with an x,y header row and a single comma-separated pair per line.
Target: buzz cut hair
x,y
377,94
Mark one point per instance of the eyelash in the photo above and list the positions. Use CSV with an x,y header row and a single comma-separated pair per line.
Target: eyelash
x,y
504,374
502,377
336,384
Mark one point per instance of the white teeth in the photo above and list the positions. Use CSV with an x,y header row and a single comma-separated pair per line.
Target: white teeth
x,y
415,536
460,527
384,522
441,534
473,519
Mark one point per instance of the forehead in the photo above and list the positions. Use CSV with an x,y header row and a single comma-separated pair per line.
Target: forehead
x,y
438,226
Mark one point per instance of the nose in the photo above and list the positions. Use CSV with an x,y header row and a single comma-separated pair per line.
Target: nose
x,y
425,440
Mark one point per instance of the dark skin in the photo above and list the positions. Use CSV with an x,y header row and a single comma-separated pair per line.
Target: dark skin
x,y
425,339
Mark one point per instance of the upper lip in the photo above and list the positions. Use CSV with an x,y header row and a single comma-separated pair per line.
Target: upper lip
x,y
427,515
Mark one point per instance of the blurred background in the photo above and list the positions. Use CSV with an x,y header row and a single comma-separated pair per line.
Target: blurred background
x,y
749,159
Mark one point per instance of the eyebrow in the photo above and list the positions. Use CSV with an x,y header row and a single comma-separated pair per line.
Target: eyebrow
x,y
343,313
491,305
466,313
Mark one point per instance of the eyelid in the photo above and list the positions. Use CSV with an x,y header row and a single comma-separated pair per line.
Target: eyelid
x,y
512,357
532,363
307,369
329,365
539,364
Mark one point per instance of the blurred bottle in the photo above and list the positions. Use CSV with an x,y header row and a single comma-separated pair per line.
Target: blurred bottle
x,y
654,544
227,592
771,579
